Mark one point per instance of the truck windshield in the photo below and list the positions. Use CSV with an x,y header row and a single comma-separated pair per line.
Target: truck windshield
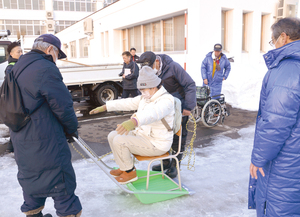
x,y
3,53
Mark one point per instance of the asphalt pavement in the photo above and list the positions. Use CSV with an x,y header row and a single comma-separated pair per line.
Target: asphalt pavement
x,y
93,129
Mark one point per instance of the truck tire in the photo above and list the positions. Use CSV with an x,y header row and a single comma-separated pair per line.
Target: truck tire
x,y
104,94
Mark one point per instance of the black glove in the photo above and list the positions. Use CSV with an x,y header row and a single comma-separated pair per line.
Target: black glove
x,y
121,74
70,136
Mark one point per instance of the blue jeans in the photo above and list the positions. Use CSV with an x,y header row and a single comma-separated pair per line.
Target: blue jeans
x,y
64,205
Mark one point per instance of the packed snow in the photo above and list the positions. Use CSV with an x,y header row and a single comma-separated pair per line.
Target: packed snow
x,y
220,182
220,178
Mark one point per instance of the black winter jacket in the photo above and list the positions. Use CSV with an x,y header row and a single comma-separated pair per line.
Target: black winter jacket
x,y
41,149
129,82
9,67
178,82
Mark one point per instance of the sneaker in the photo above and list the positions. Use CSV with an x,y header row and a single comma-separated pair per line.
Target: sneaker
x,y
125,177
116,173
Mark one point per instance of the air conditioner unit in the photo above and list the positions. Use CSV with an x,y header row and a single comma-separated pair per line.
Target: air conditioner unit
x,y
88,25
50,25
49,14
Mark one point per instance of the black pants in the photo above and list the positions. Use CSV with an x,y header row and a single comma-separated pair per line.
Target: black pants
x,y
183,137
133,93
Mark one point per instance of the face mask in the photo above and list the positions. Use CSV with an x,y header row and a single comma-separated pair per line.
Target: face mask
x,y
155,70
146,94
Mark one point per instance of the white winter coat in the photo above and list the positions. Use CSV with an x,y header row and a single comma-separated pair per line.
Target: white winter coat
x,y
149,114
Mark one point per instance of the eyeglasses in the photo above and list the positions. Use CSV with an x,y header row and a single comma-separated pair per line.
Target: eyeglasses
x,y
272,44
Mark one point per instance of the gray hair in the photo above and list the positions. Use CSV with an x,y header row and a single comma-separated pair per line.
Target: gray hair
x,y
290,26
40,45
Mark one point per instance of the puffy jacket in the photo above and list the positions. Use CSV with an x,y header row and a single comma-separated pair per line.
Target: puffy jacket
x,y
277,135
11,62
149,114
41,150
215,83
129,82
178,82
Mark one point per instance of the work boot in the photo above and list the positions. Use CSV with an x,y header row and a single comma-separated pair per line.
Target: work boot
x,y
116,173
40,214
127,177
172,171
166,165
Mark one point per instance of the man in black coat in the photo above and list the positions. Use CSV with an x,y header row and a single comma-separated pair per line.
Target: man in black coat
x,y
15,51
134,57
180,84
130,73
41,149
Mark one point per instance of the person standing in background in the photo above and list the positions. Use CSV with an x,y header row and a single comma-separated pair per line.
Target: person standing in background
x,y
130,73
15,51
215,69
134,57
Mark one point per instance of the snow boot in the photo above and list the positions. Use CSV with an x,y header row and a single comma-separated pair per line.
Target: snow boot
x,y
127,177
77,215
166,165
116,173
172,171
40,214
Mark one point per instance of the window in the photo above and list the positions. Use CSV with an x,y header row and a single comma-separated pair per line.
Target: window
x,y
290,11
83,45
265,32
224,30
71,5
106,44
159,36
156,37
73,49
246,40
147,37
62,24
125,39
179,28
24,27
168,35
134,38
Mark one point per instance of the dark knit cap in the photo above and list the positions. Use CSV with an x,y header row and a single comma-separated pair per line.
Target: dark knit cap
x,y
12,46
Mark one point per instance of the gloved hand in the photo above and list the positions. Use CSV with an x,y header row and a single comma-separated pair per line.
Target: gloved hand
x,y
98,110
126,126
70,136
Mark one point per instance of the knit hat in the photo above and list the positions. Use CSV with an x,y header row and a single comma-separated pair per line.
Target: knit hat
x,y
12,46
147,78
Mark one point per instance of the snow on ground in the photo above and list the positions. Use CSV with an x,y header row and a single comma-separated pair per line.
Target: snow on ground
x,y
220,181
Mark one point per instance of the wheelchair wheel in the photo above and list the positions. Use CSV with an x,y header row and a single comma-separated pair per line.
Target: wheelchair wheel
x,y
196,112
211,113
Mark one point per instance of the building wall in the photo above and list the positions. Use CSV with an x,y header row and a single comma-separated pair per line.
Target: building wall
x,y
38,18
106,44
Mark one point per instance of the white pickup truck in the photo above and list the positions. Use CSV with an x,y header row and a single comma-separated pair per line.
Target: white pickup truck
x,y
95,84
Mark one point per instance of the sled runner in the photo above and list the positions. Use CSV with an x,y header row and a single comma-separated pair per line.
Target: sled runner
x,y
151,186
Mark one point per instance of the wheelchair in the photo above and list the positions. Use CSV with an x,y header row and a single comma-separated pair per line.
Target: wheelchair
x,y
209,109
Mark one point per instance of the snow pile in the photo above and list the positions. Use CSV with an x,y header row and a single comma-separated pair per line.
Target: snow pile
x,y
242,88
220,182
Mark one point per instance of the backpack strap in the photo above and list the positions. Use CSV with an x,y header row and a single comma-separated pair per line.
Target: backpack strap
x,y
163,120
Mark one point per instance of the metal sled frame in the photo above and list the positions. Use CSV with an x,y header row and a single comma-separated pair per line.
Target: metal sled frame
x,y
131,188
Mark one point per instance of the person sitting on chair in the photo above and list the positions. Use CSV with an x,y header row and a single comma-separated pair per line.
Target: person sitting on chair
x,y
144,134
